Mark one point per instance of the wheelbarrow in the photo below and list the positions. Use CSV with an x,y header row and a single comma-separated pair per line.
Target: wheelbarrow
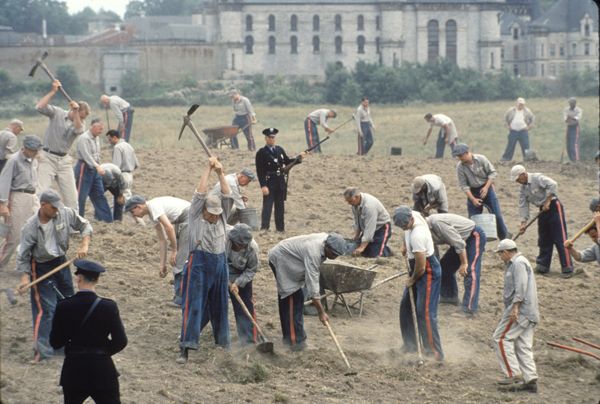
x,y
220,136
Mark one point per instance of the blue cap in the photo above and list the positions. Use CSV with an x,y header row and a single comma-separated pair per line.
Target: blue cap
x,y
50,196
88,266
32,142
133,202
270,131
402,216
248,173
460,149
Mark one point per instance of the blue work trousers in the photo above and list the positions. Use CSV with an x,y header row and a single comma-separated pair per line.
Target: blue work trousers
x,y
44,297
204,291
378,246
125,128
243,122
117,207
89,183
440,145
291,316
573,142
312,135
450,263
491,201
366,141
552,232
514,136
427,295
247,333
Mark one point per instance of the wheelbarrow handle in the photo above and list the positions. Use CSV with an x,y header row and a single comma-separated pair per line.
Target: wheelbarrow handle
x,y
570,348
586,343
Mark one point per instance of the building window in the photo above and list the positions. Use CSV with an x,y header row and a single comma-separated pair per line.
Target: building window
x,y
492,62
232,64
249,42
271,22
360,23
552,50
272,44
316,23
502,53
516,70
451,41
561,51
586,30
515,33
378,23
378,45
552,69
338,45
586,49
574,49
433,44
542,70
294,44
338,22
360,44
294,23
542,50
516,52
248,23
316,44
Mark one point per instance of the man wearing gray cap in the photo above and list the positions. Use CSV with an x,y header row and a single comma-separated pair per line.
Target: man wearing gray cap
x,y
170,217
244,118
18,201
476,177
513,338
542,192
572,117
8,141
296,263
429,192
424,277
242,260
114,182
43,247
205,278
519,120
236,181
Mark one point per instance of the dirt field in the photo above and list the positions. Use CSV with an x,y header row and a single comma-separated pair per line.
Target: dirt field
x,y
149,374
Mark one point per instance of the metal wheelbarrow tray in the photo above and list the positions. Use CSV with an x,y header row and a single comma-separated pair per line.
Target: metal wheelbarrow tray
x,y
340,278
221,135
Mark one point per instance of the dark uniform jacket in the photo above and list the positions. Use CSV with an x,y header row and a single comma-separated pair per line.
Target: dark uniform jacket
x,y
88,349
269,167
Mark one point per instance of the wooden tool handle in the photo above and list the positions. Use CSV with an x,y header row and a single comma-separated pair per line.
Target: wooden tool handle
x,y
337,344
45,276
583,230
49,73
248,314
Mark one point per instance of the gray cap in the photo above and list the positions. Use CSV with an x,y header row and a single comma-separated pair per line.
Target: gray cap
x,y
17,122
460,149
594,204
506,244
32,142
233,92
52,197
213,205
402,215
133,202
572,99
516,171
241,234
248,173
417,185
336,243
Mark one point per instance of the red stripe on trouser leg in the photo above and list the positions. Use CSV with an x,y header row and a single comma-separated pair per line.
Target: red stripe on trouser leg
x,y
563,232
502,352
38,303
577,143
473,269
427,301
292,327
187,297
81,168
385,237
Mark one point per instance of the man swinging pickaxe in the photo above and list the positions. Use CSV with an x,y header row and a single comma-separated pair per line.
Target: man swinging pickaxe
x,y
187,121
40,63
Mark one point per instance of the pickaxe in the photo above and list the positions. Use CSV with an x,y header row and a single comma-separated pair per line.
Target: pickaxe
x,y
187,121
40,63
342,124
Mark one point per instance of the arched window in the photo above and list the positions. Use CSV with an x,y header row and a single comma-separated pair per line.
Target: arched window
x,y
249,43
338,22
293,44
515,33
360,43
271,22
378,23
451,41
338,44
248,23
294,23
586,30
272,45
360,23
316,44
316,23
433,41
574,49
378,45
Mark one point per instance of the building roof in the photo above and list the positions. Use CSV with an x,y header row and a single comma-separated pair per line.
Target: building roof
x,y
566,15
507,20
408,2
166,28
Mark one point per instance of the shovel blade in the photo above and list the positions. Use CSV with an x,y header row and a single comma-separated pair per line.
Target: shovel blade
x,y
265,347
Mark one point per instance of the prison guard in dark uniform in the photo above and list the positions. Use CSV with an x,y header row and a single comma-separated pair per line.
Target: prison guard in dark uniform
x,y
270,163
88,369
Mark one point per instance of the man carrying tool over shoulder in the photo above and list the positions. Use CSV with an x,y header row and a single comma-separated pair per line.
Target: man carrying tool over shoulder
x,y
311,123
296,263
122,111
170,218
43,247
542,192
63,128
372,224
244,118
424,278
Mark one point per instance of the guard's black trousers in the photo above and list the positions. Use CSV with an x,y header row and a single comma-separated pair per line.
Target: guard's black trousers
x,y
276,197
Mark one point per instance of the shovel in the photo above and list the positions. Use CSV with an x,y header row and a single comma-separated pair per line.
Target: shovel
x,y
265,346
413,310
350,372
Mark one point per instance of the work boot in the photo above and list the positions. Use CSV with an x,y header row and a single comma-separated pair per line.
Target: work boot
x,y
530,386
507,381
542,270
183,356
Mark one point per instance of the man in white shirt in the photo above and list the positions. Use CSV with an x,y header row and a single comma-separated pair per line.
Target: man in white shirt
x,y
448,135
518,120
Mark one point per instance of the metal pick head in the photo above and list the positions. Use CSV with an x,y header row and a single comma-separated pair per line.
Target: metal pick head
x,y
44,55
192,109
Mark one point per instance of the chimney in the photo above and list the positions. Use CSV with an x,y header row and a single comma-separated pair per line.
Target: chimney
x,y
44,31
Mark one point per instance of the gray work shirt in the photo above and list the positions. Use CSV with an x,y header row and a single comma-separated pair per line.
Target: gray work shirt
x,y
435,195
574,115
44,246
19,173
369,216
319,116
476,174
113,178
297,261
243,107
60,133
536,191
236,191
519,286
206,236
88,149
8,144
118,105
451,229
591,254
123,156
243,264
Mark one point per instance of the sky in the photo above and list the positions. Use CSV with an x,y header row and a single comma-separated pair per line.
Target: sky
x,y
118,6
